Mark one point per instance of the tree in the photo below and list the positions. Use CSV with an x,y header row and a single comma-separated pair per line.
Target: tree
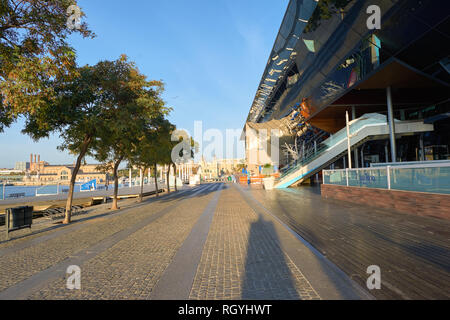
x,y
240,167
34,53
182,150
153,147
88,107
131,123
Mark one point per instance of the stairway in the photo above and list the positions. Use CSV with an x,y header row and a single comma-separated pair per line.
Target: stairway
x,y
370,126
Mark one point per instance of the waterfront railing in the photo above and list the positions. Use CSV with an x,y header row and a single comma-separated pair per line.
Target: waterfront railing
x,y
9,191
424,177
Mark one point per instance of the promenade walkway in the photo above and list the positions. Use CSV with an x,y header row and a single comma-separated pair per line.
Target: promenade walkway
x,y
214,241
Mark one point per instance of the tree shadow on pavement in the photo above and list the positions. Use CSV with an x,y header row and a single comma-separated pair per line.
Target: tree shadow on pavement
x,y
201,190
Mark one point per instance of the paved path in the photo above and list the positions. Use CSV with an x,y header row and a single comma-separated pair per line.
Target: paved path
x,y
413,252
214,241
243,259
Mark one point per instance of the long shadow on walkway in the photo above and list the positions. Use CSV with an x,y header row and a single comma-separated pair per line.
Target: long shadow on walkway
x,y
267,275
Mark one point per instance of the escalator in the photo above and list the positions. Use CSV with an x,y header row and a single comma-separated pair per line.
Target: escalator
x,y
372,126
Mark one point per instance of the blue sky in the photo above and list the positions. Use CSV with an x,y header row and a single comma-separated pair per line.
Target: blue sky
x,y
210,54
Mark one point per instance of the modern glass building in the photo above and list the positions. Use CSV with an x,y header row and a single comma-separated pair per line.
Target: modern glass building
x,y
393,82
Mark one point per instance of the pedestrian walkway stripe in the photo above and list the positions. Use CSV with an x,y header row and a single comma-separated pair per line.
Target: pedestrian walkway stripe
x,y
31,285
176,282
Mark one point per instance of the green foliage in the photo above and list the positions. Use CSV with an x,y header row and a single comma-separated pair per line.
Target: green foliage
x,y
102,111
107,102
33,53
240,167
138,112
155,146
267,170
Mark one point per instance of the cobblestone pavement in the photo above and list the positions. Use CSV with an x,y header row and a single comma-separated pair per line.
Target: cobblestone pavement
x,y
18,265
242,258
34,259
125,254
131,268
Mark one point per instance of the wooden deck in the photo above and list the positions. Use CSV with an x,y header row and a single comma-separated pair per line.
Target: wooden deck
x,y
413,252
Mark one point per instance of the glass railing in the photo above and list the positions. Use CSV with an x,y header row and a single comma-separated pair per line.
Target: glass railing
x,y
435,180
2,191
431,178
48,190
355,126
332,141
10,191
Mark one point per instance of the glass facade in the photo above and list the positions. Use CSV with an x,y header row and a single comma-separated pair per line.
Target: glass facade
x,y
341,52
283,54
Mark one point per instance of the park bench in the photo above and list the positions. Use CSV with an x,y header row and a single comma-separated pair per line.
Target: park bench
x,y
59,213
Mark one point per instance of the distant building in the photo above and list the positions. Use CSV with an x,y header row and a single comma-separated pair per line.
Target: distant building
x,y
36,165
260,139
219,167
41,171
22,166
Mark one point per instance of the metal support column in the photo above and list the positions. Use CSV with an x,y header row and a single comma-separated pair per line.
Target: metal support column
x,y
348,142
362,156
391,121
356,149
386,152
422,149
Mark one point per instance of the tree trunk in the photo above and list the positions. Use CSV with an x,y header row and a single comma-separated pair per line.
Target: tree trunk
x,y
168,179
175,173
156,181
141,195
84,148
116,185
